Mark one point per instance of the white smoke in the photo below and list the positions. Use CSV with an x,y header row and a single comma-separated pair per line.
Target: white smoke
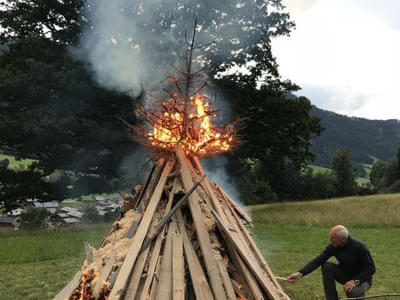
x,y
215,169
120,52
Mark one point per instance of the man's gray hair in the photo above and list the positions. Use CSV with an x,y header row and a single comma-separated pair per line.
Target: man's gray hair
x,y
343,233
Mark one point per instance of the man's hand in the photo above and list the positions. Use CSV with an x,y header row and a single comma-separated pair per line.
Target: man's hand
x,y
292,278
349,285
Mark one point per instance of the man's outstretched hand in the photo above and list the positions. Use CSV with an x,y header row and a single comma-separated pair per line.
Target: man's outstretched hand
x,y
292,278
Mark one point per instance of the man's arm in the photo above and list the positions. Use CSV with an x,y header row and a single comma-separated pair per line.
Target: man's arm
x,y
318,260
312,265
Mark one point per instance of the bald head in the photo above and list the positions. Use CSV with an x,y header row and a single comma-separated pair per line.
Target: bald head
x,y
339,235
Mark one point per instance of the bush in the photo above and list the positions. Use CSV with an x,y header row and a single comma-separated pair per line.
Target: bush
x,y
34,218
91,215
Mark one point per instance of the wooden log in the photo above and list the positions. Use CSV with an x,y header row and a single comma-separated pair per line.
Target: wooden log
x,y
201,229
178,272
164,288
156,249
66,292
138,238
267,285
104,273
200,285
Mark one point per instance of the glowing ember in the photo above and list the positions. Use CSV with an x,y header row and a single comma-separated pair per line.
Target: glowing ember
x,y
239,293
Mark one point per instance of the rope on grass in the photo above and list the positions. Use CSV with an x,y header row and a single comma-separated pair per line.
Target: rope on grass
x,y
372,296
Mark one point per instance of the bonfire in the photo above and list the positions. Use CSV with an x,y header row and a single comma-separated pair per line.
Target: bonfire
x,y
181,236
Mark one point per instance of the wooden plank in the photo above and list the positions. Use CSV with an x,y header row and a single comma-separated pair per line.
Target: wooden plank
x,y
168,216
230,292
138,238
236,206
104,273
206,183
256,251
144,200
178,275
199,282
136,275
201,229
66,292
135,224
268,286
154,258
155,282
164,288
250,280
156,248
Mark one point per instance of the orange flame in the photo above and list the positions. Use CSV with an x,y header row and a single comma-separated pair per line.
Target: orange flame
x,y
239,293
192,129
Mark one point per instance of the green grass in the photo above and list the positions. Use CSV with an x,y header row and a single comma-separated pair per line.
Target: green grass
x,y
291,234
17,164
359,180
36,265
318,169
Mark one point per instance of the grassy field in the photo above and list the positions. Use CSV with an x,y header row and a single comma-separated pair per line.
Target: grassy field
x,y
36,265
17,164
291,234
359,180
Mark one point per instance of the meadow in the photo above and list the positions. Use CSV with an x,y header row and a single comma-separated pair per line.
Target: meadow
x,y
36,265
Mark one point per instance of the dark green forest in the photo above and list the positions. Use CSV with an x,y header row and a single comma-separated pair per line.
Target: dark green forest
x,y
54,110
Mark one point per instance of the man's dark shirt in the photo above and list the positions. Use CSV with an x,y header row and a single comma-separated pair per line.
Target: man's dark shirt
x,y
354,260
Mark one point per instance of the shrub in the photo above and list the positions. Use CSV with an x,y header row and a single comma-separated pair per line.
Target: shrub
x,y
34,218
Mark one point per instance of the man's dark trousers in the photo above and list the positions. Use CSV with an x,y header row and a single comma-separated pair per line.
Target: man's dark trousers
x,y
332,272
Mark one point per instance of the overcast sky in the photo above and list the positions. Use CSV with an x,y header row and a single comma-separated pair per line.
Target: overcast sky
x,y
345,54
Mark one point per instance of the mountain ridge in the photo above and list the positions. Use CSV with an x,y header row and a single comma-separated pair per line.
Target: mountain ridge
x,y
366,139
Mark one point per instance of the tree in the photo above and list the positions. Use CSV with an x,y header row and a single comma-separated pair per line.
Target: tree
x,y
278,130
344,172
18,186
377,174
68,122
59,21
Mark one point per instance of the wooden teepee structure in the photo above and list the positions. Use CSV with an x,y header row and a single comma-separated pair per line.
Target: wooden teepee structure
x,y
181,236
202,251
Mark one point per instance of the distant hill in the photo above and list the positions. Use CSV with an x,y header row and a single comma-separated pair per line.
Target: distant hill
x,y
366,139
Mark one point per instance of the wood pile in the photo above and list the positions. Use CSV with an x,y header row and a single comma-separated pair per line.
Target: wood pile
x,y
183,238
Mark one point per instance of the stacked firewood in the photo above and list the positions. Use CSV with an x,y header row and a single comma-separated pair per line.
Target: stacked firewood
x,y
184,238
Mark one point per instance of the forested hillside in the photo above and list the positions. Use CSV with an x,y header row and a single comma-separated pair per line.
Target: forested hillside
x,y
364,138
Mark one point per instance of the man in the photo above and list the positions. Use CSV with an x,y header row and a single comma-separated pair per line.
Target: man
x,y
355,268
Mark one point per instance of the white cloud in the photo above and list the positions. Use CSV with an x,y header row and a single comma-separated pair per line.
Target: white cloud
x,y
346,53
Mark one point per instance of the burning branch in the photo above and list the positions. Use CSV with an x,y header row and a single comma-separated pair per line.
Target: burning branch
x,y
185,116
